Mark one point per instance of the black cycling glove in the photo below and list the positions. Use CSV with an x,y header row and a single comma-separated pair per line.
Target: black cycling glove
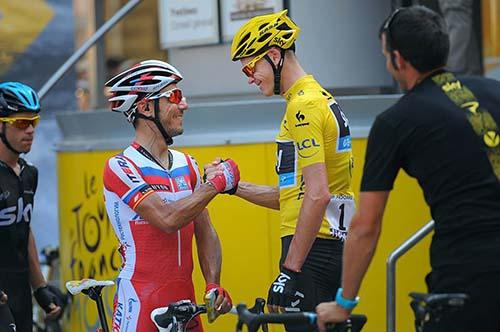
x,y
45,296
282,290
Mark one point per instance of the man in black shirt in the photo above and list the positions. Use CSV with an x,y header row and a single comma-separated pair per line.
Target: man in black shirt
x,y
19,266
443,132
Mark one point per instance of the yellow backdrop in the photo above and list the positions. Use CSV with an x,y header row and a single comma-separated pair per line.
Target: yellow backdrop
x,y
249,236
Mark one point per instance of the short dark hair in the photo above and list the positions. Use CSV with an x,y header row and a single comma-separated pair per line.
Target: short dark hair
x,y
420,35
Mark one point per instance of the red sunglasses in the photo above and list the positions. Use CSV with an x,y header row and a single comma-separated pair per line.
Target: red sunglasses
x,y
249,68
21,122
173,96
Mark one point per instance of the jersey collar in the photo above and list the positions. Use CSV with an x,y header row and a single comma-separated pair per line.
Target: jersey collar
x,y
297,86
149,156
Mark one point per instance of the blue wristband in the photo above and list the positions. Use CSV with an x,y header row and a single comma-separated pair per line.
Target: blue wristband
x,y
345,303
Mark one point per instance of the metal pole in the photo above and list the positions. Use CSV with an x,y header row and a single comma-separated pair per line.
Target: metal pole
x,y
88,44
391,272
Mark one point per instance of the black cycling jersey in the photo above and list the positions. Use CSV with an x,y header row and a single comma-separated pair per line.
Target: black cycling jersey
x,y
16,207
430,137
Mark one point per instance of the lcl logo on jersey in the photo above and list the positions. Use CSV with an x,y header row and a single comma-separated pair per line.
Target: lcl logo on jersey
x,y
306,144
13,214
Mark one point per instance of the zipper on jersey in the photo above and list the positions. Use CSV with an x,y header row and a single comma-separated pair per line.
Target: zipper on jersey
x,y
179,241
179,260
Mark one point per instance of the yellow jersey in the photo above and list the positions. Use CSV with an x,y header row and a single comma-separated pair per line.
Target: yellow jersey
x,y
314,130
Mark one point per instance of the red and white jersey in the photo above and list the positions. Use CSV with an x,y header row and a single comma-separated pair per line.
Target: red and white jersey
x,y
148,253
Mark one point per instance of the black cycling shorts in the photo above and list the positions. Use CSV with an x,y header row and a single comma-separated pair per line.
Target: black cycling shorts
x,y
321,273
6,319
17,287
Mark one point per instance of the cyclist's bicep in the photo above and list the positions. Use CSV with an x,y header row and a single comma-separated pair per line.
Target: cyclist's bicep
x,y
316,177
152,208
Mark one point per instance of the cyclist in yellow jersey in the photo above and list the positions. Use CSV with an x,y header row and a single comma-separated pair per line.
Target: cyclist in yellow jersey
x,y
314,164
314,130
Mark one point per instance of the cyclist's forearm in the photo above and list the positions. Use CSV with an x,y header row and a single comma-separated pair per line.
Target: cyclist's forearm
x,y
308,225
36,277
266,196
209,248
171,216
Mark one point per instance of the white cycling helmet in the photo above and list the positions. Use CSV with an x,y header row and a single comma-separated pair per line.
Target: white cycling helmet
x,y
145,79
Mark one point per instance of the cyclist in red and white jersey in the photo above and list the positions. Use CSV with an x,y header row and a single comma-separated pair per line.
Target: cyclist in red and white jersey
x,y
156,201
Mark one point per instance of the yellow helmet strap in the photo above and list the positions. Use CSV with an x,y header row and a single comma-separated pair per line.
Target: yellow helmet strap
x,y
277,71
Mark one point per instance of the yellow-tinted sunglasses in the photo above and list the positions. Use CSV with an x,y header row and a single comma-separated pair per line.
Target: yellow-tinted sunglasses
x,y
249,68
22,122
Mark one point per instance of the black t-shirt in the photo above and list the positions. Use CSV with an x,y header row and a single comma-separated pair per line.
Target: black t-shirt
x,y
429,137
16,207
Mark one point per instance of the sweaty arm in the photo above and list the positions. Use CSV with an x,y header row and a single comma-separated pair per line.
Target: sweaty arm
x,y
172,216
123,181
266,196
210,258
209,249
316,199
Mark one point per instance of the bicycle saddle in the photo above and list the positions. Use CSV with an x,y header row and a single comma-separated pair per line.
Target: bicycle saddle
x,y
431,306
436,300
79,286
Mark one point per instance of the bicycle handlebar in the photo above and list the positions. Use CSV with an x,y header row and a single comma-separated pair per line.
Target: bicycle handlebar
x,y
254,321
178,313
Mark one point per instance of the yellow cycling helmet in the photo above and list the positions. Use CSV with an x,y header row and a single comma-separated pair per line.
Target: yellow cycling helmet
x,y
262,32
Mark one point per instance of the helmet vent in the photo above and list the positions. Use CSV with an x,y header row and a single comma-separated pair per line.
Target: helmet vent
x,y
283,26
262,26
287,36
244,39
264,37
240,50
